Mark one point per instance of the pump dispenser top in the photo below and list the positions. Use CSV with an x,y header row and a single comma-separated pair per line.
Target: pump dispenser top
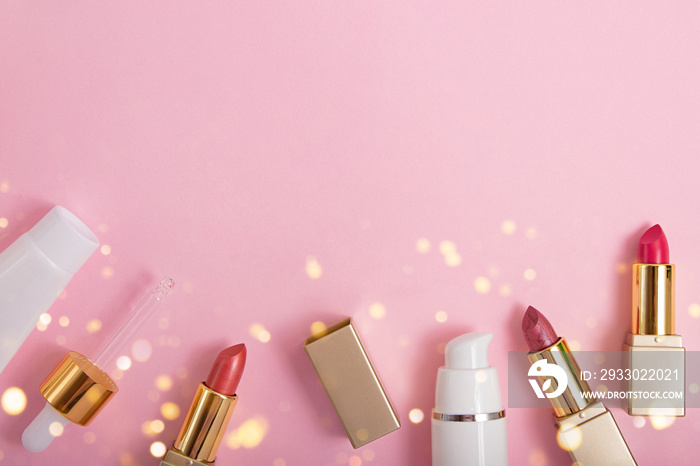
x,y
468,351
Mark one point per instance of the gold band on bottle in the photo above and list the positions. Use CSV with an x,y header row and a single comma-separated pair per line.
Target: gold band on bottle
x,y
205,424
78,389
576,395
653,299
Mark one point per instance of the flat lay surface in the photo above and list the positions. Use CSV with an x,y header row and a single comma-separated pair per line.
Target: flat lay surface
x,y
427,171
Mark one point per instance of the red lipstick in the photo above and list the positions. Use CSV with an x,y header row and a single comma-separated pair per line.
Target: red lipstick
x,y
210,412
586,429
653,342
653,247
225,374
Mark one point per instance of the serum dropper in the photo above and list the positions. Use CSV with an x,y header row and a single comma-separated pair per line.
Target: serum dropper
x,y
78,388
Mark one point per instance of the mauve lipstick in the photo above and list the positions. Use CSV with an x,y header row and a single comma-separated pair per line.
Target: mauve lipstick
x,y
210,412
586,429
537,330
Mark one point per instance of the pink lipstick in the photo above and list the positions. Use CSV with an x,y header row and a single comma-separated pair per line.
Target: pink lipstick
x,y
210,412
653,343
653,247
586,429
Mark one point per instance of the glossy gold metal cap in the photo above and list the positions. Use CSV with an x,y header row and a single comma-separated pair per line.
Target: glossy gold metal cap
x,y
351,383
78,389
653,299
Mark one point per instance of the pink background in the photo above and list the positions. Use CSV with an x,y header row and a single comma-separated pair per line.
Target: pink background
x,y
227,144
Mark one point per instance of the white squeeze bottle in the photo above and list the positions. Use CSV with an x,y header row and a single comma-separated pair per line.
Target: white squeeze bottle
x,y
33,272
468,422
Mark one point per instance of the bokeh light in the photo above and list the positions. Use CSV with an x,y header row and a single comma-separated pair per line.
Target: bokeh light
x,y
56,429
94,326
569,437
453,259
158,449
259,332
124,362
661,422
482,285
153,427
313,268
170,411
447,247
164,383
249,435
141,350
441,316
508,227
422,245
377,310
14,401
694,310
416,416
317,327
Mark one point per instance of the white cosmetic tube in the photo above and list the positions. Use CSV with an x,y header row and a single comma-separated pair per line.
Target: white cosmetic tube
x,y
33,272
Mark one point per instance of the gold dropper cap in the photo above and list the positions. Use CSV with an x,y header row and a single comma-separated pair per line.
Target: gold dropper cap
x,y
78,389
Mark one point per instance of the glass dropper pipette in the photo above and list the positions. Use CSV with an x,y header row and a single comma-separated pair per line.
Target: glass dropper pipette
x,y
108,353
78,388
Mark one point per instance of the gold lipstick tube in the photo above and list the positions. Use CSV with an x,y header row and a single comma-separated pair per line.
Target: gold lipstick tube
x,y
586,429
652,345
202,430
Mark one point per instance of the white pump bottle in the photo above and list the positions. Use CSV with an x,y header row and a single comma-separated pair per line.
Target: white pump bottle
x,y
468,422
